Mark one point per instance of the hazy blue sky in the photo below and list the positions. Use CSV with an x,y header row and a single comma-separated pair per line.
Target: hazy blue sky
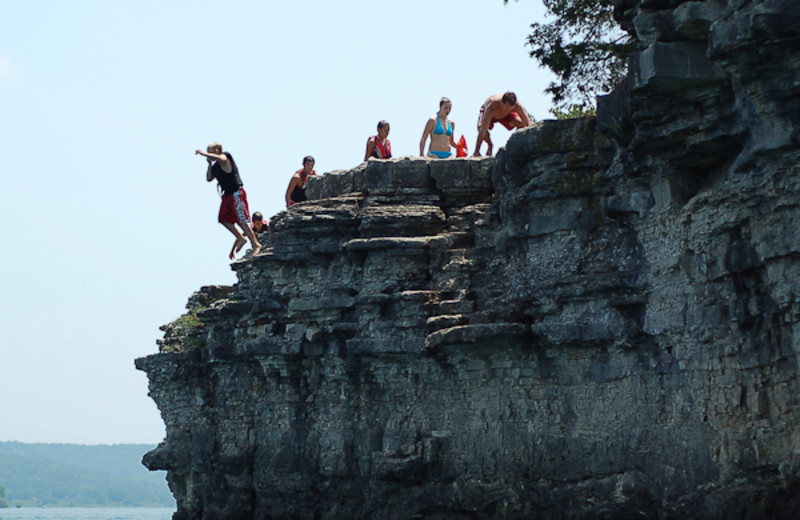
x,y
108,222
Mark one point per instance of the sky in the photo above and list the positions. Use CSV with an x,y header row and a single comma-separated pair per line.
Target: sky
x,y
108,222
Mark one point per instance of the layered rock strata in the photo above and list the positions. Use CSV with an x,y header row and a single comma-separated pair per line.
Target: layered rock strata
x,y
601,322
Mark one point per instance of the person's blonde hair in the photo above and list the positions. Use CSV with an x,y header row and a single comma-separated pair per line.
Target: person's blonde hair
x,y
214,146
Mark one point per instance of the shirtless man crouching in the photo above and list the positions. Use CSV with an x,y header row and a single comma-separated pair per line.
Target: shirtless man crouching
x,y
503,109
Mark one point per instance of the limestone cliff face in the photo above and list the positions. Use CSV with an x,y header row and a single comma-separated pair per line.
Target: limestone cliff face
x,y
602,322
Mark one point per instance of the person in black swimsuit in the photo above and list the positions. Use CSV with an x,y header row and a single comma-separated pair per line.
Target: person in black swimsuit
x,y
296,192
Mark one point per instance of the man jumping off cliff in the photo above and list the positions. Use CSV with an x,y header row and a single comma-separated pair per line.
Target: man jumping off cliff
x,y
503,109
233,210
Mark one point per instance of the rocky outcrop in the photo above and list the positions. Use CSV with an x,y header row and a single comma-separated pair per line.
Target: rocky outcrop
x,y
601,322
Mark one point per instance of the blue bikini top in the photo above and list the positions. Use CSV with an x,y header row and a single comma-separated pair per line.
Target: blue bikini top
x,y
439,130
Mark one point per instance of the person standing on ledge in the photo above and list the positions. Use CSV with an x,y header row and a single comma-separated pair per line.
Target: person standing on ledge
x,y
233,209
296,192
440,129
503,109
378,146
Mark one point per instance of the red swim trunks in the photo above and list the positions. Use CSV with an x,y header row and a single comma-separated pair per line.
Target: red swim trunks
x,y
507,121
234,209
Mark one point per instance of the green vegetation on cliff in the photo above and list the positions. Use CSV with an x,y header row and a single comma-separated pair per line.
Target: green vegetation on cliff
x,y
585,48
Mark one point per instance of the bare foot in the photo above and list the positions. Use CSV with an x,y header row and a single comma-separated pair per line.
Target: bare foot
x,y
240,242
237,246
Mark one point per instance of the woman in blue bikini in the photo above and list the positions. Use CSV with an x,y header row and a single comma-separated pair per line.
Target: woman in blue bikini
x,y
441,131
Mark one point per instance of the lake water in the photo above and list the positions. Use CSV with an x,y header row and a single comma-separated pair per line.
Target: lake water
x,y
84,513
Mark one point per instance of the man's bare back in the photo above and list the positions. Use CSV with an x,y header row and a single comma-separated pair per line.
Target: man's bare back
x,y
502,108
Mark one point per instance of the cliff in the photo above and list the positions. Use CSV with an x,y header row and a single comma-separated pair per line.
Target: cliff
x,y
601,322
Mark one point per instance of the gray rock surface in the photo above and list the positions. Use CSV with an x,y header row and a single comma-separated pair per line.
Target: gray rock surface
x,y
601,322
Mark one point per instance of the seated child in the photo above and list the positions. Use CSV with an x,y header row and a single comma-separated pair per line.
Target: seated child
x,y
259,226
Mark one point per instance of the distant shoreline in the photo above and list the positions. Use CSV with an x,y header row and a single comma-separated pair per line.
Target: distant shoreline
x,y
46,476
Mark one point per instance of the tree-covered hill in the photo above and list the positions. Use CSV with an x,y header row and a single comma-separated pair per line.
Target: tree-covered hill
x,y
78,475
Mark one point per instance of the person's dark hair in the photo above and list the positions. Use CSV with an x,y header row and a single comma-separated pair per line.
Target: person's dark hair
x,y
509,98
382,123
443,101
257,216
308,158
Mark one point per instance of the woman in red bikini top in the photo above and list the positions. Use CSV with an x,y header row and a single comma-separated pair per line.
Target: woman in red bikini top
x,y
378,146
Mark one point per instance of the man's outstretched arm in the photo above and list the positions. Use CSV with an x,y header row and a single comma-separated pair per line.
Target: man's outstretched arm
x,y
523,114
